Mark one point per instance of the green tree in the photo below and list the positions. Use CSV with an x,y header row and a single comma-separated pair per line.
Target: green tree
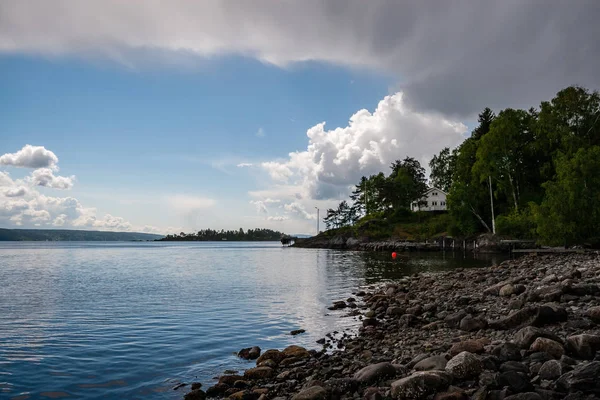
x,y
442,169
570,212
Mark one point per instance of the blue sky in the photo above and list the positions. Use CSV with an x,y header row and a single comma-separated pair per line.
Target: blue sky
x,y
189,115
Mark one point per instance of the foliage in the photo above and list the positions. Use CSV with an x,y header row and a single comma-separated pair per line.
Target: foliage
x,y
519,224
238,235
56,235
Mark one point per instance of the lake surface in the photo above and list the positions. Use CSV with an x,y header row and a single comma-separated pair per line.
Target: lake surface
x,y
131,320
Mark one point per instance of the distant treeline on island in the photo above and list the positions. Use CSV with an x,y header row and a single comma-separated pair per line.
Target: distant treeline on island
x,y
206,235
60,235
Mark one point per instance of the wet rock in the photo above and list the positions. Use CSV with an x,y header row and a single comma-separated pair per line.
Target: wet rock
x,y
196,385
431,363
338,305
472,346
297,332
394,311
525,337
195,394
267,363
549,346
584,345
369,322
259,373
420,384
312,393
524,396
249,353
470,324
374,373
583,378
550,370
295,351
272,354
230,379
243,395
464,365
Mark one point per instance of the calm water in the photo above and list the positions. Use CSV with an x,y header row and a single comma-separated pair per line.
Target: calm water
x,y
131,320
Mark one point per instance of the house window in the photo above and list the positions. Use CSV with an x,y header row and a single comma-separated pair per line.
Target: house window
x,y
443,203
434,194
434,203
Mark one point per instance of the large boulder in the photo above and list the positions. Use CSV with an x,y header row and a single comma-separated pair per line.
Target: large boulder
x,y
419,385
518,382
375,372
272,354
593,313
230,379
295,351
431,363
249,353
525,337
550,370
195,394
507,352
259,373
312,393
549,314
464,365
472,346
549,346
584,345
471,324
584,378
518,318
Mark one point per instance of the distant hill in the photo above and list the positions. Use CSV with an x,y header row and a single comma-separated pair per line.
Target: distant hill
x,y
56,235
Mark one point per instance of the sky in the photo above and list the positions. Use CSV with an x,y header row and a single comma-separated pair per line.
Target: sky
x,y
177,116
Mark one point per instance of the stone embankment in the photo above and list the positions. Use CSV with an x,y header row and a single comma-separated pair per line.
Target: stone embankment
x,y
527,329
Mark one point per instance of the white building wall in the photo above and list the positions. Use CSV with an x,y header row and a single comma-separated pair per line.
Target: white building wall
x,y
434,200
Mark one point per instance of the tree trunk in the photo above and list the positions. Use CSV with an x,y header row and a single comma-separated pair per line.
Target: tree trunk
x,y
480,219
512,186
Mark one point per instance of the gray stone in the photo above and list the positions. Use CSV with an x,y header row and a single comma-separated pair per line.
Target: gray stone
x,y
550,370
585,378
549,315
471,324
593,313
420,384
516,381
375,372
583,346
195,394
431,363
525,337
549,346
312,393
464,365
524,396
507,352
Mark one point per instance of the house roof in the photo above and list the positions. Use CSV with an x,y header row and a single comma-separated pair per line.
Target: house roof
x,y
434,188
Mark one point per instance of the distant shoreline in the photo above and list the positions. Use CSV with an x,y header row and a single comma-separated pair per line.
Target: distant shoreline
x,y
72,235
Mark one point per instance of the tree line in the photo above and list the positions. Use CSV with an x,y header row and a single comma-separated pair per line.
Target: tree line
x,y
206,235
540,168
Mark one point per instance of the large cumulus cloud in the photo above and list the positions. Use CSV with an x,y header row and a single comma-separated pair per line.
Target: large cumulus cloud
x,y
451,56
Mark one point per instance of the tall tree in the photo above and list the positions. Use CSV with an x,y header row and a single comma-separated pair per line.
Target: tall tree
x,y
442,168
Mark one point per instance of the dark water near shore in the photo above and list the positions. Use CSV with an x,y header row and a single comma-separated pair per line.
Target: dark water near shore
x,y
131,320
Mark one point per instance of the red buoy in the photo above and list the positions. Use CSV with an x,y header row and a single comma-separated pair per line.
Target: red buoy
x,y
394,255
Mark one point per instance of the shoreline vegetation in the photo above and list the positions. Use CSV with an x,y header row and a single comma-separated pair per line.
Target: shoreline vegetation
x,y
68,235
211,235
522,174
527,328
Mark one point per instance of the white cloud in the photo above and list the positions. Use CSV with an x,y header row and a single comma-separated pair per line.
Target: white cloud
x,y
244,165
15,192
335,159
30,157
261,208
60,220
45,177
185,203
298,209
277,218
270,200
260,133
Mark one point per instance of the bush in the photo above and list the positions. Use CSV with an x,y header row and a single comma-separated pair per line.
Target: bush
x,y
520,225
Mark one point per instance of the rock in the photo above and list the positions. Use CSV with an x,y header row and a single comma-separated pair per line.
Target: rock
x,y
549,315
369,322
394,311
196,385
370,314
495,289
507,290
550,370
525,337
470,324
451,394
516,381
267,363
372,393
243,395
312,393
524,396
217,390
374,373
249,353
514,320
230,379
507,352
584,377
295,351
431,363
594,314
297,332
259,373
338,305
420,384
549,346
195,394
453,320
475,346
272,354
464,365
584,345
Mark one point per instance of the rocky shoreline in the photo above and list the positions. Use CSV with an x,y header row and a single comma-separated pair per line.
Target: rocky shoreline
x,y
527,329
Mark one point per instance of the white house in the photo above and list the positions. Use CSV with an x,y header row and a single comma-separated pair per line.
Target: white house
x,y
434,199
